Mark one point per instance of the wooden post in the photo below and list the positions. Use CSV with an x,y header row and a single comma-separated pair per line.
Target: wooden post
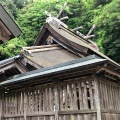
x,y
25,104
1,105
97,100
56,102
76,29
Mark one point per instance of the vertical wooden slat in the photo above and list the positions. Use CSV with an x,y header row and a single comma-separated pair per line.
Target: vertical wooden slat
x,y
29,102
52,96
5,105
32,102
37,102
101,95
108,95
16,103
115,98
85,99
44,100
111,94
97,99
40,100
61,97
75,107
91,95
104,95
116,94
71,96
25,105
10,105
56,101
21,103
80,96
13,103
119,97
66,97
1,105
50,100
27,93
46,97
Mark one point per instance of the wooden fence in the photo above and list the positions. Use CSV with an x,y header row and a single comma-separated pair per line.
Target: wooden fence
x,y
109,100
76,99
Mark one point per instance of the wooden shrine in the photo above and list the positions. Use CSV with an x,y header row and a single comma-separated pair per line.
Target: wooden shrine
x,y
62,77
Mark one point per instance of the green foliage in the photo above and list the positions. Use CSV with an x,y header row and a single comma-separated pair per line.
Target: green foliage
x,y
108,22
11,48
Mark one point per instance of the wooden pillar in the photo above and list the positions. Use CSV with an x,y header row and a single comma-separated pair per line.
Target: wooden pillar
x,y
97,99
1,105
56,102
25,104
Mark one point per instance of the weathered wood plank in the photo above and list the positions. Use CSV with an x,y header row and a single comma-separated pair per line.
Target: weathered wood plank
x,y
87,111
1,105
80,96
85,99
61,97
97,99
25,105
75,107
56,102
31,115
91,95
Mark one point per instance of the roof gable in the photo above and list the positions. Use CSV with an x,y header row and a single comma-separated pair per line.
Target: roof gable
x,y
47,55
69,40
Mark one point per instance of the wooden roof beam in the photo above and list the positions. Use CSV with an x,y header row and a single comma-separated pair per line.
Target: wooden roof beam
x,y
76,29
109,71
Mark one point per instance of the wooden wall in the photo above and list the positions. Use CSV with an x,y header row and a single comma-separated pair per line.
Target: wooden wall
x,y
76,99
109,100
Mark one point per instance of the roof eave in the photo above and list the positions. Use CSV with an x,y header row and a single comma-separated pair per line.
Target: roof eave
x,y
51,71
